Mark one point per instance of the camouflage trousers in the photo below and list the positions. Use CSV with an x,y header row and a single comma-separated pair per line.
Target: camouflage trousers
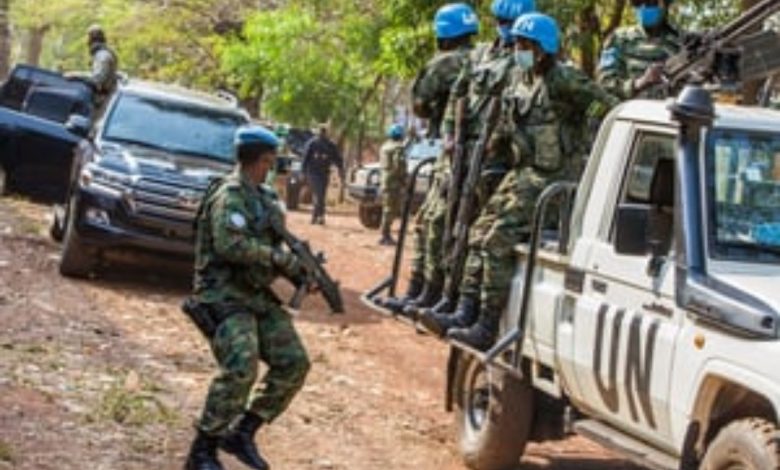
x,y
428,234
238,344
504,221
392,204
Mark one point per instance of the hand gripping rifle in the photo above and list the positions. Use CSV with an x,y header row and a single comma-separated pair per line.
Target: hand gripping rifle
x,y
467,205
315,274
730,54
458,169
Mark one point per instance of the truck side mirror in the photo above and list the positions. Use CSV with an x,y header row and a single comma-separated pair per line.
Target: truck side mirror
x,y
78,125
631,229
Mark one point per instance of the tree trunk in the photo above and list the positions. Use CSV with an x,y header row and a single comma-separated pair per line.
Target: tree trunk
x,y
750,90
35,37
589,29
5,39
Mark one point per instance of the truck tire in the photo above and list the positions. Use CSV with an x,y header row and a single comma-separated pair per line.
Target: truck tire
x,y
75,259
370,216
292,195
746,444
494,415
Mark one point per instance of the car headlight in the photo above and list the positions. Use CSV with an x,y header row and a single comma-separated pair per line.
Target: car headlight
x,y
106,181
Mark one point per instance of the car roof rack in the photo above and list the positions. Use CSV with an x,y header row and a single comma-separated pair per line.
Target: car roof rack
x,y
227,96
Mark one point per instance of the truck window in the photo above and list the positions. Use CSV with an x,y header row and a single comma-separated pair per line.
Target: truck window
x,y
649,148
744,195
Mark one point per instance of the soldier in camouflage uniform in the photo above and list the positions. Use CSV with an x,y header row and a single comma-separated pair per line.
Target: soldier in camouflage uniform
x,y
237,256
485,75
455,24
104,66
393,162
632,60
541,121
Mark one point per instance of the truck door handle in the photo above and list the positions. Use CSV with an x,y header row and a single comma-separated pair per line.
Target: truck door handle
x,y
599,286
658,308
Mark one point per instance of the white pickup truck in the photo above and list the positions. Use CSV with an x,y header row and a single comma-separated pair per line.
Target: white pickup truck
x,y
650,321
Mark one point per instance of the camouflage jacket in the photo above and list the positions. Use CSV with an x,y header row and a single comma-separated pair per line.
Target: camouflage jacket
x,y
543,119
393,165
628,53
235,243
431,88
485,76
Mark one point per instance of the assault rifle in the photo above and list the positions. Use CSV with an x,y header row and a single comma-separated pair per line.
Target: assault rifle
x,y
728,55
458,168
466,207
315,275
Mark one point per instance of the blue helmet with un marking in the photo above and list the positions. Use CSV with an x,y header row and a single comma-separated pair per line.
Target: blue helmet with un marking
x,y
539,28
454,20
511,9
396,131
254,135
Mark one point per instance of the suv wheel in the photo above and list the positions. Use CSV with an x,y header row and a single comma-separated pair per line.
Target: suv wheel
x,y
494,415
749,444
370,215
76,260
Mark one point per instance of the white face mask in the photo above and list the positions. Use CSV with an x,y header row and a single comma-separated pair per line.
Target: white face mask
x,y
524,59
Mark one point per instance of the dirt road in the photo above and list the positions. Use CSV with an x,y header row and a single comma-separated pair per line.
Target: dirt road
x,y
108,374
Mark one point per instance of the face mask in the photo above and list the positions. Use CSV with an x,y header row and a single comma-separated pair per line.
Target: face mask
x,y
524,60
505,32
648,16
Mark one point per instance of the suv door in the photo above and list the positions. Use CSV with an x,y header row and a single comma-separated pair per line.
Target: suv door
x,y
625,321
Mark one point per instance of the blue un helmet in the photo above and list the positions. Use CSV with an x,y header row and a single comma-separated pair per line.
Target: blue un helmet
x,y
255,135
396,132
506,11
454,20
541,29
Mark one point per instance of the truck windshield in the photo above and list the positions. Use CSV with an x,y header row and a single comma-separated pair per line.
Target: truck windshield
x,y
744,195
173,126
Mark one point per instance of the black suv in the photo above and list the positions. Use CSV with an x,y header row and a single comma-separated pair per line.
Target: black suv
x,y
137,183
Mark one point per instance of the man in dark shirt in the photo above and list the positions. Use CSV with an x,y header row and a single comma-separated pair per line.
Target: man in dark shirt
x,y
320,154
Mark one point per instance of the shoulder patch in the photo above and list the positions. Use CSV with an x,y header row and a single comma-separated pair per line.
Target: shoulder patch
x,y
609,57
237,220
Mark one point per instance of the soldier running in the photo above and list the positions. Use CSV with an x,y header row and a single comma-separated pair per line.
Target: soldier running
x,y
237,257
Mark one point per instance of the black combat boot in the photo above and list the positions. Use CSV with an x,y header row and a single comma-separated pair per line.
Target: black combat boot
x,y
464,316
397,304
241,442
481,335
430,294
445,305
203,454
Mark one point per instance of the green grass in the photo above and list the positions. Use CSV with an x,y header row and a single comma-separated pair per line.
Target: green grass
x,y
132,408
6,453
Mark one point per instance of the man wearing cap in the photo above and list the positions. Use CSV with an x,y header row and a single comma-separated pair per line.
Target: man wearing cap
x,y
393,164
104,65
237,256
320,154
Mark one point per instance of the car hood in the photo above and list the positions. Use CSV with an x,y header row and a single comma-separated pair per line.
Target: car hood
x,y
158,165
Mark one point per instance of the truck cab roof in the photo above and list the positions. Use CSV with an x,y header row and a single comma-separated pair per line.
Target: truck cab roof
x,y
727,116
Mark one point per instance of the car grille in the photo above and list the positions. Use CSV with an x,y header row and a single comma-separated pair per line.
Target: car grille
x,y
165,199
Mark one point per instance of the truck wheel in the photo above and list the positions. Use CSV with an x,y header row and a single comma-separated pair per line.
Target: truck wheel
x,y
494,413
747,444
75,258
292,195
370,216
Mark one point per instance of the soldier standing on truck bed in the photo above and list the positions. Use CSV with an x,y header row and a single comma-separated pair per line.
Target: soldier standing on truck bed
x,y
455,25
104,65
542,115
485,75
393,162
319,155
632,60
237,257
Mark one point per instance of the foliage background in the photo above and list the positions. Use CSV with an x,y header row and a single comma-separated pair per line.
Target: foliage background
x,y
349,62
